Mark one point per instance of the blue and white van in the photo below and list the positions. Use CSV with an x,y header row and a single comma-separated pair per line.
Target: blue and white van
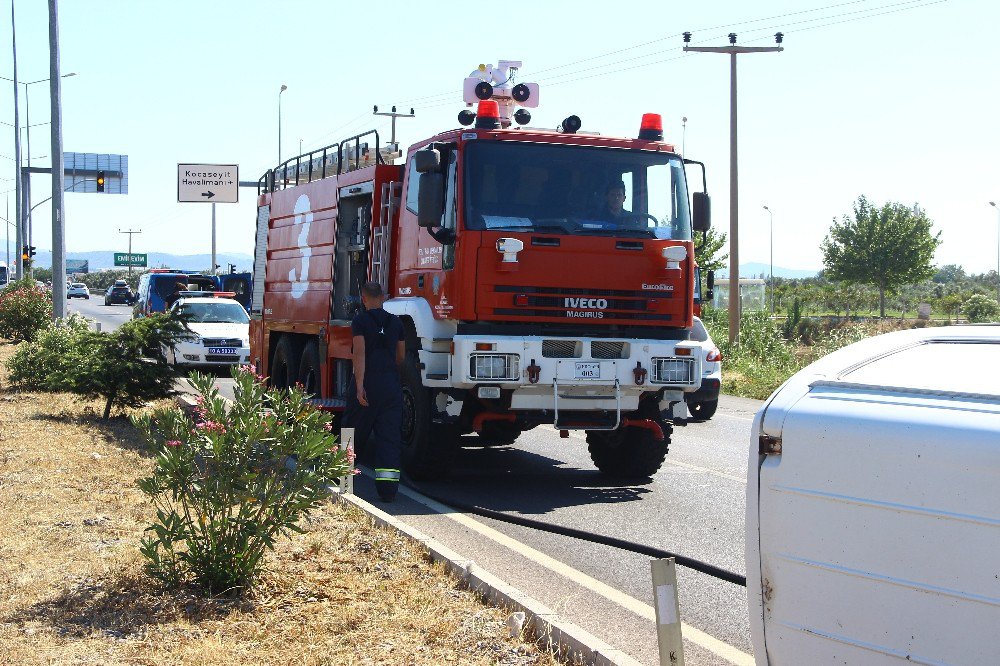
x,y
160,285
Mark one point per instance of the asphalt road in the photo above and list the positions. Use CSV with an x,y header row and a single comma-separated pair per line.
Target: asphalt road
x,y
694,506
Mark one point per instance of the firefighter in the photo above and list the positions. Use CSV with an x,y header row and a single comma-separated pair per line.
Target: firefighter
x,y
175,294
375,405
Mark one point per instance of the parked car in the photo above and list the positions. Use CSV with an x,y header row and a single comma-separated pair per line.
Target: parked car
x,y
218,331
873,505
78,290
703,402
119,292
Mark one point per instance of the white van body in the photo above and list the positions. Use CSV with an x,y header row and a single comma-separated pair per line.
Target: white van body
x,y
873,537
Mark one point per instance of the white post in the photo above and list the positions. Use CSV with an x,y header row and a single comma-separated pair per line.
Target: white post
x,y
213,239
668,614
347,444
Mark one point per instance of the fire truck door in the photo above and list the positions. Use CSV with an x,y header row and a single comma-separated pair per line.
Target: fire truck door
x,y
353,245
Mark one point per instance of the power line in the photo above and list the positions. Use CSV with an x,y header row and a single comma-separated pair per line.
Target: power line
x,y
442,99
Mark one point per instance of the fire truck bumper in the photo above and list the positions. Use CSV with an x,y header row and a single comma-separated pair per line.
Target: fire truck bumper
x,y
582,374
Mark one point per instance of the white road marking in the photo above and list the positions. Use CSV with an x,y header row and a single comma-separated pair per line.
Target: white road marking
x,y
720,648
677,463
733,416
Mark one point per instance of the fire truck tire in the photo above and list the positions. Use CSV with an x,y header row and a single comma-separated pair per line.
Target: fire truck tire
x,y
309,370
630,453
285,365
427,447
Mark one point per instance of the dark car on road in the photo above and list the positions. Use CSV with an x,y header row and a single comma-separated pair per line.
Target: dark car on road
x,y
119,292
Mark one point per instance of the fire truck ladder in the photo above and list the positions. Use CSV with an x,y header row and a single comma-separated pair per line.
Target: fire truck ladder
x,y
382,234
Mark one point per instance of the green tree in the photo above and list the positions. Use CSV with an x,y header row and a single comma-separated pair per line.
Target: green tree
x,y
127,367
706,249
886,247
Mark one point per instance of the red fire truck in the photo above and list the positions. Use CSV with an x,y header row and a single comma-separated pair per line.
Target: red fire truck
x,y
525,300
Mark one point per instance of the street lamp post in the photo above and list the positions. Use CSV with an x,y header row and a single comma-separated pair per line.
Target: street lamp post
x,y
994,204
734,246
25,176
283,89
772,258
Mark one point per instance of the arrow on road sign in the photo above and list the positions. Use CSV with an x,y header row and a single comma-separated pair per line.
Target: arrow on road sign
x,y
208,194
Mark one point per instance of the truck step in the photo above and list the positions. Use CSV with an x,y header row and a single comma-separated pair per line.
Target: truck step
x,y
328,404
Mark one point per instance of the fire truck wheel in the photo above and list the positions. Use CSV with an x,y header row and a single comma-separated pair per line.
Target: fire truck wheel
x,y
284,367
427,448
630,453
309,370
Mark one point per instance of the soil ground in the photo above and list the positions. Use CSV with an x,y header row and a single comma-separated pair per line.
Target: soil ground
x,y
73,591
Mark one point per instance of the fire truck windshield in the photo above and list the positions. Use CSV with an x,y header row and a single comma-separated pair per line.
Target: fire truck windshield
x,y
577,190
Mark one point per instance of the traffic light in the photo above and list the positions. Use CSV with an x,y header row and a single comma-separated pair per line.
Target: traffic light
x,y
27,252
232,268
100,181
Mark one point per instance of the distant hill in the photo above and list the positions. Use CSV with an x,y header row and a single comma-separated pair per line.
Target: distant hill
x,y
105,259
755,269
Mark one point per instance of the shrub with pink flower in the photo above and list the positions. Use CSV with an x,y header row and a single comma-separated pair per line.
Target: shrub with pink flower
x,y
25,310
232,479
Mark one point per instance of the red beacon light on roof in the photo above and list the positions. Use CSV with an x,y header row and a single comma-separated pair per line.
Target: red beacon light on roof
x,y
651,128
488,114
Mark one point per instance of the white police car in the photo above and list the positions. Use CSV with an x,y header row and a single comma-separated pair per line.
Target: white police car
x,y
218,330
703,402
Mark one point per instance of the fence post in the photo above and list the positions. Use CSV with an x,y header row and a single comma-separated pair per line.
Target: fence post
x,y
347,444
668,619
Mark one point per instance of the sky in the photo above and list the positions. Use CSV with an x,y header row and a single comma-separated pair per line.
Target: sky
x,y
893,99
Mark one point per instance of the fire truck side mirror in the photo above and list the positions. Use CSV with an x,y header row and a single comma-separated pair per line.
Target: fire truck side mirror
x,y
430,199
701,217
427,160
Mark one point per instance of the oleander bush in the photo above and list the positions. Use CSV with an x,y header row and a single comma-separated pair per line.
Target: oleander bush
x,y
232,479
25,310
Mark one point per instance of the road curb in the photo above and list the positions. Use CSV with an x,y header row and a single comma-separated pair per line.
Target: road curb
x,y
566,637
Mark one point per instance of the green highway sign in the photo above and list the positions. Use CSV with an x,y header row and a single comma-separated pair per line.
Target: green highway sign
x,y
126,259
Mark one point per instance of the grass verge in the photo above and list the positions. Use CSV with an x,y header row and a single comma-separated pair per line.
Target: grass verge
x,y
72,590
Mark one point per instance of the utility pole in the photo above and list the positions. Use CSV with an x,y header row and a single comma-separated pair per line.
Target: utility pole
x,y
393,114
734,191
58,182
18,203
130,232
994,204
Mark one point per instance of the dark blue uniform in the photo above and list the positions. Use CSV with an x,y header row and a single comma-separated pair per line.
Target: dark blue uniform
x,y
384,414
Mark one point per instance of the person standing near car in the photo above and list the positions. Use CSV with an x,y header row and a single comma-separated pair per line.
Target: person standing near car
x,y
375,405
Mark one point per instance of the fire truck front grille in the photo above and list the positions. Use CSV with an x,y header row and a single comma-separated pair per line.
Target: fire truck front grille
x,y
562,349
609,349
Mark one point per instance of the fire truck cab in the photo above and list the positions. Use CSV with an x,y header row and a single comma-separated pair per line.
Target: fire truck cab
x,y
526,297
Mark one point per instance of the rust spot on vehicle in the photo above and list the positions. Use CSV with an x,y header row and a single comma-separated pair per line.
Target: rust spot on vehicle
x,y
767,590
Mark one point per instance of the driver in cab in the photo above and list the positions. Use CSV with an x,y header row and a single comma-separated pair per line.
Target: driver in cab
x,y
614,210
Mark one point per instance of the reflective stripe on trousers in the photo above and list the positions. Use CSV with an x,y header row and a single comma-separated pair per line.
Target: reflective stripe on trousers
x,y
385,474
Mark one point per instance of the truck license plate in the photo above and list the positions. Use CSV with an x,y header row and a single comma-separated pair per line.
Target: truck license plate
x,y
588,370
223,350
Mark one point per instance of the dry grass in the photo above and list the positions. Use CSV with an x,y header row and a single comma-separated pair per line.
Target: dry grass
x,y
72,590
